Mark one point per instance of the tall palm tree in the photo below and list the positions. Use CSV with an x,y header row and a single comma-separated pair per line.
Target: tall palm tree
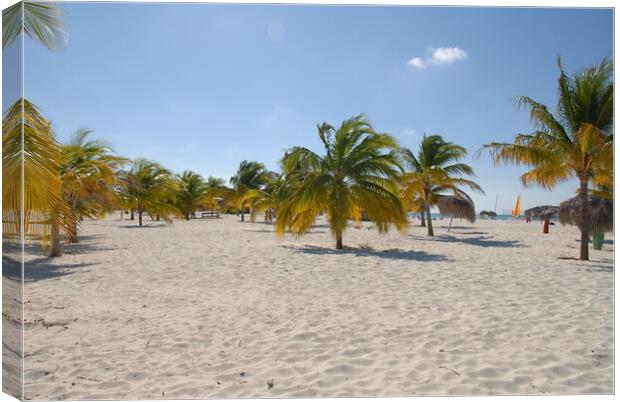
x,y
357,175
433,171
88,173
250,175
192,193
40,196
573,142
41,22
149,187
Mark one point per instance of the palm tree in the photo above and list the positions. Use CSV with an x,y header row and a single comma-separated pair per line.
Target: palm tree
x,y
149,187
41,22
216,190
435,170
192,193
357,175
572,143
250,175
270,199
40,196
88,173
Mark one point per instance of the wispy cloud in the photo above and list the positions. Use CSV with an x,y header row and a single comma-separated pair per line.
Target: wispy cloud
x,y
438,56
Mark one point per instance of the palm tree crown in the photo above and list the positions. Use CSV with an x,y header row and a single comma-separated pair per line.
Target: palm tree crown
x,y
41,22
357,175
88,172
40,154
192,192
149,187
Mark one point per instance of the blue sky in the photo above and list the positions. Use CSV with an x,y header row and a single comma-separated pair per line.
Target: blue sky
x,y
202,87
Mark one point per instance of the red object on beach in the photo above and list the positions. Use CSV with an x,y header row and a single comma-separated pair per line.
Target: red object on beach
x,y
546,227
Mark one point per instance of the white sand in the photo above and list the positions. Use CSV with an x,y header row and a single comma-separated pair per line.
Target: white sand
x,y
219,308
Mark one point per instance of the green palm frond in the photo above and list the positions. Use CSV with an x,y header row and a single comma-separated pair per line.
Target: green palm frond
x,y
41,22
149,187
40,154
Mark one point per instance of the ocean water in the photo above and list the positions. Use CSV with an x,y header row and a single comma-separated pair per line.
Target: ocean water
x,y
438,216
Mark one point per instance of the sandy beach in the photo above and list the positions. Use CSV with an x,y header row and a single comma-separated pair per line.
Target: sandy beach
x,y
220,308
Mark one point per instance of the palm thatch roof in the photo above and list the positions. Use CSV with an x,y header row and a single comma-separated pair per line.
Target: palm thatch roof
x,y
457,207
601,213
542,212
490,214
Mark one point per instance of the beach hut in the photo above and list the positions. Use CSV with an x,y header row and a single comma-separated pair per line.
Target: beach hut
x,y
456,207
488,214
544,213
601,216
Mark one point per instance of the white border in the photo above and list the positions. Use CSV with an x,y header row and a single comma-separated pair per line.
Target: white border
x,y
461,3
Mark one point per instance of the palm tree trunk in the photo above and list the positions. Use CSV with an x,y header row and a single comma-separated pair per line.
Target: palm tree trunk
x,y
131,215
427,205
73,238
139,218
339,240
186,216
585,219
242,215
55,250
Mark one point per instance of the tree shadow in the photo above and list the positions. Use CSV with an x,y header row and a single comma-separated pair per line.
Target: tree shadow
x,y
40,268
479,241
473,233
601,268
147,226
393,254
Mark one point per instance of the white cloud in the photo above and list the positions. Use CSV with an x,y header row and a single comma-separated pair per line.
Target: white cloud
x,y
438,56
417,62
447,55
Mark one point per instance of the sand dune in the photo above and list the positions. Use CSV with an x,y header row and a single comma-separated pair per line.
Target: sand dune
x,y
220,308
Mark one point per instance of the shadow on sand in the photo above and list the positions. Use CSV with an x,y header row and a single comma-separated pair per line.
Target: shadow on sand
x,y
479,241
38,265
393,254
145,226
40,268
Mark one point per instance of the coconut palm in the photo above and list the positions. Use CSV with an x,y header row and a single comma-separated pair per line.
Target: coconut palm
x,y
88,173
573,142
434,171
192,193
216,190
41,22
250,175
149,187
270,199
38,155
357,175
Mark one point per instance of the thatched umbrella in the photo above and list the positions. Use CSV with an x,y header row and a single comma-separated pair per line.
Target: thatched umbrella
x,y
456,207
490,214
544,213
601,216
